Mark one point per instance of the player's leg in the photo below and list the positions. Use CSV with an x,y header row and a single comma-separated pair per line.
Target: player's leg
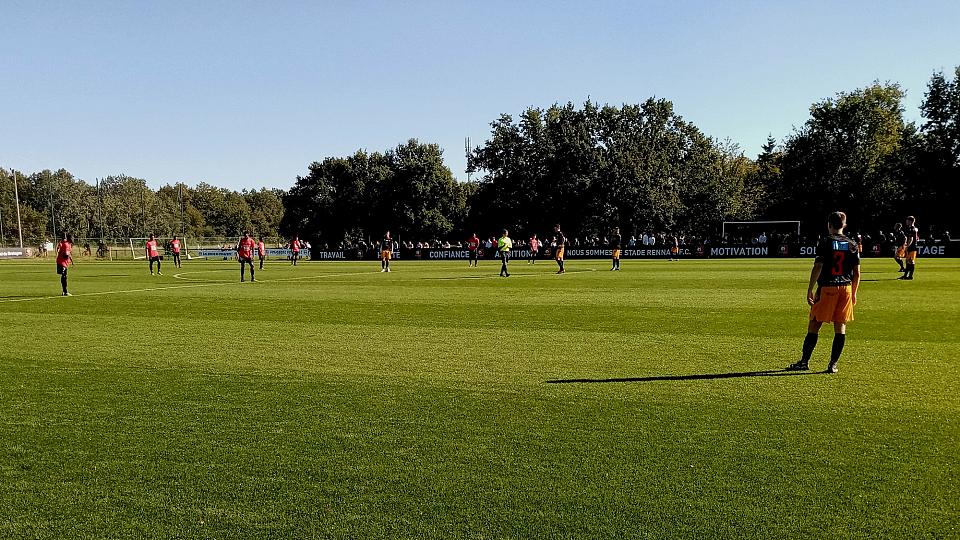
x,y
250,262
242,271
63,280
151,266
503,264
159,273
839,338
261,263
809,344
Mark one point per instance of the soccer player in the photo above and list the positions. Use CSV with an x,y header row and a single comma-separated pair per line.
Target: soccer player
x,y
913,236
245,254
559,241
175,250
504,245
294,250
836,273
674,247
386,252
261,251
615,240
534,249
64,260
899,246
473,244
153,254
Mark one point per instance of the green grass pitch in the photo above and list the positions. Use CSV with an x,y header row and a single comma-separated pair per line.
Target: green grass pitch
x,y
439,401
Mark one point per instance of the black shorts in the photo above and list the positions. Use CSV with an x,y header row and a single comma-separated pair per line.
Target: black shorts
x,y
61,269
473,254
156,259
246,260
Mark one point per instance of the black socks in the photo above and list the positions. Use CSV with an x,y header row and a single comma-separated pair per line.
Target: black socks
x,y
809,343
838,341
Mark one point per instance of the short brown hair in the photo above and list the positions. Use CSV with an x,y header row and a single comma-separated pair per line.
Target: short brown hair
x,y
837,220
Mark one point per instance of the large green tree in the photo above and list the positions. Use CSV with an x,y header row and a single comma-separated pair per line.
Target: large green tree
x,y
636,166
848,156
407,189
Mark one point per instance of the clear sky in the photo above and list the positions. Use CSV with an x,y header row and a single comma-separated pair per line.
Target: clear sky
x,y
247,94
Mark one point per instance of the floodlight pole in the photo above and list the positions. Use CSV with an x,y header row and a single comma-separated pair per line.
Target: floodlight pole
x,y
16,196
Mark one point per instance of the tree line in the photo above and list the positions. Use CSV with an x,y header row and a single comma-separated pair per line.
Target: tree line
x,y
641,167
644,167
118,207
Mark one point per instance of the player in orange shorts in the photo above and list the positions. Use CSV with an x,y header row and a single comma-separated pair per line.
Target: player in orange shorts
x,y
615,240
559,241
386,252
912,247
836,273
899,245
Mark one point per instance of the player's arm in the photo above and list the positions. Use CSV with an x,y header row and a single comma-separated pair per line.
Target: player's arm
x,y
814,276
855,283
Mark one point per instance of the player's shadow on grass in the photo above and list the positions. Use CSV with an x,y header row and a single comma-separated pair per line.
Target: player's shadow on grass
x,y
696,377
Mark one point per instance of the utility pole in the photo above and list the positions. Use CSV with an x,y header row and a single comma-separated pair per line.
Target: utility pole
x,y
466,152
180,200
53,218
16,197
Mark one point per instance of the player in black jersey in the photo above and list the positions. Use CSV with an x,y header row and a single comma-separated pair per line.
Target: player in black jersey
x,y
559,241
913,237
836,274
386,252
899,245
615,246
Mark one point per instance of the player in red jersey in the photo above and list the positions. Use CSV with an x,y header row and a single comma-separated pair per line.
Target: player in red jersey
x,y
261,251
534,249
473,244
64,260
153,254
836,274
175,250
294,250
245,254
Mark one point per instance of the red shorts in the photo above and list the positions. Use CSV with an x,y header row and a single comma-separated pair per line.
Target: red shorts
x,y
833,304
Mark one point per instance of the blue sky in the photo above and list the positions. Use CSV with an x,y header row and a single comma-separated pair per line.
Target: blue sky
x,y
247,94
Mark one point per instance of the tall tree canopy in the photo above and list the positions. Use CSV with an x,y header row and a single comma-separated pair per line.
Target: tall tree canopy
x,y
407,189
635,166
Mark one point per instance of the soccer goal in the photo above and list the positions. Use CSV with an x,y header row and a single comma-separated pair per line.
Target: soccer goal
x,y
138,247
749,231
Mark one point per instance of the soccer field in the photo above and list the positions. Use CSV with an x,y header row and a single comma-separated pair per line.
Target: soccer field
x,y
331,400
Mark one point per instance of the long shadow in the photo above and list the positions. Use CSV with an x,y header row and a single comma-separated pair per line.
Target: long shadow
x,y
697,377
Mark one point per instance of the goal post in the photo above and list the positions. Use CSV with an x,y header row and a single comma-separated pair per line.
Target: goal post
x,y
754,228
